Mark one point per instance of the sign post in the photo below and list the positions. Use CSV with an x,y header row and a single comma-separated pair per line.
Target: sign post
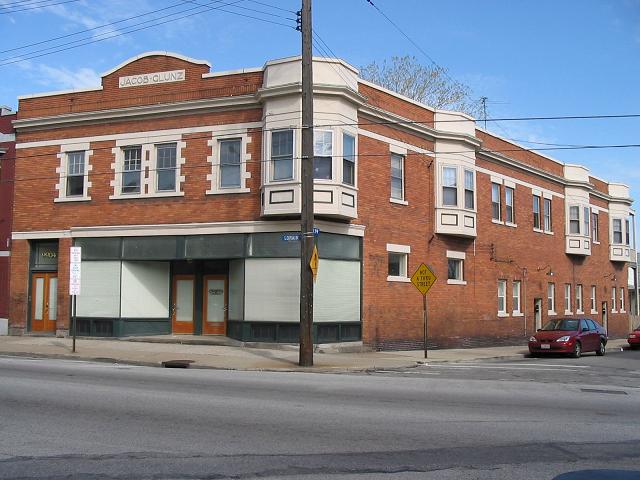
x,y
423,279
75,260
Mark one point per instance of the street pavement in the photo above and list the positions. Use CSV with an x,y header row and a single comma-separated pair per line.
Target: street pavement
x,y
223,353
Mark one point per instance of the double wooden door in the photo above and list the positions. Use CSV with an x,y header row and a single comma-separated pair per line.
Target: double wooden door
x,y
44,302
214,300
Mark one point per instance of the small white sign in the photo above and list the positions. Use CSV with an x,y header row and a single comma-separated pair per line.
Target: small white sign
x,y
151,78
75,262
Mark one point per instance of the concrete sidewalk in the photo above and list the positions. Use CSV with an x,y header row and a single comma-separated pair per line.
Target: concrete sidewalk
x,y
223,353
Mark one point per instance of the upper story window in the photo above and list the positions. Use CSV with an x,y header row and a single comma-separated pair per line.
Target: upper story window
x,y
75,174
230,163
547,215
469,189
626,232
348,159
509,205
397,176
132,170
282,154
166,167
617,230
502,297
398,262
536,212
450,186
495,201
631,231
585,220
322,154
551,298
594,227
574,219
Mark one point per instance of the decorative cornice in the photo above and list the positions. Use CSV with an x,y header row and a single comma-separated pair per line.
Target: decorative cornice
x,y
319,89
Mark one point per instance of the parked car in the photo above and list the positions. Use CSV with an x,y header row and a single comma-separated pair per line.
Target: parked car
x,y
573,336
634,338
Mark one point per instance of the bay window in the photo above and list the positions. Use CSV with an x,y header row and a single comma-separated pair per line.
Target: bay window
x,y
574,219
469,189
348,159
282,154
449,186
322,155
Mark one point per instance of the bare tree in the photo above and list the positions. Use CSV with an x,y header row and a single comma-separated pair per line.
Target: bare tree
x,y
430,85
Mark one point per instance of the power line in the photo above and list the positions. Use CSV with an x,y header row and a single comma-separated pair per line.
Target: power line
x,y
36,7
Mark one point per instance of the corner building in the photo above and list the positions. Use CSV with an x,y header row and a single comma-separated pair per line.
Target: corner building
x,y
182,187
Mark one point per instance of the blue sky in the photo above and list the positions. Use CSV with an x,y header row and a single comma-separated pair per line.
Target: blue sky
x,y
543,58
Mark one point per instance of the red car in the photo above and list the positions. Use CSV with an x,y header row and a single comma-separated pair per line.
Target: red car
x,y
569,335
634,338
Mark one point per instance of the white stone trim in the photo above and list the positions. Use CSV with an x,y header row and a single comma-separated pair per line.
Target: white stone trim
x,y
503,314
509,183
458,255
214,160
398,149
396,248
5,253
536,190
42,234
399,202
393,142
61,170
239,71
456,282
496,179
393,278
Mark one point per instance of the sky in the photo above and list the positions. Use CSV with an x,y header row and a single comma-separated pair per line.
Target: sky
x,y
530,59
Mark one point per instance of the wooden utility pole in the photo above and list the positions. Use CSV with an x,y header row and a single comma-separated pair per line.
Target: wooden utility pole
x,y
306,214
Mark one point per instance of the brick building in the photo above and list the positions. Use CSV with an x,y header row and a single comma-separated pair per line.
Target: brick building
x,y
7,162
182,187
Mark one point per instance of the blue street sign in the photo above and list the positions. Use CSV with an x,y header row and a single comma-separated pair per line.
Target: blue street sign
x,y
296,237
316,231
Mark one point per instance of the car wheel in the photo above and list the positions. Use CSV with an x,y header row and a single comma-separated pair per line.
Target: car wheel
x,y
577,350
601,351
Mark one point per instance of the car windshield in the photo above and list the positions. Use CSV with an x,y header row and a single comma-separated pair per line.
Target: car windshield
x,y
562,324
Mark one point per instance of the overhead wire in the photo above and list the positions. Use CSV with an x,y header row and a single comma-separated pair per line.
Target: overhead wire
x,y
26,8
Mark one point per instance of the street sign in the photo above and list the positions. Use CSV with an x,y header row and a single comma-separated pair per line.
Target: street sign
x,y
423,279
313,263
75,261
296,237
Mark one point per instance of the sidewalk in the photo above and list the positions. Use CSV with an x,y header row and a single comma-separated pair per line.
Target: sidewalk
x,y
224,353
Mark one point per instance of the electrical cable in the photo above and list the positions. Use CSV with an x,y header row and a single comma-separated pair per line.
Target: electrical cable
x,y
37,7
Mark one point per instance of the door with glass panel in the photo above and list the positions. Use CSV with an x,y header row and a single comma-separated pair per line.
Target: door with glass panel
x,y
44,302
214,318
182,304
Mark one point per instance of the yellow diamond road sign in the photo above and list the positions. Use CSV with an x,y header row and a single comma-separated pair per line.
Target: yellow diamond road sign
x,y
313,263
423,279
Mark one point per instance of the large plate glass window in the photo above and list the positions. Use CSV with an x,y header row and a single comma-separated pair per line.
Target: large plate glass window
x,y
449,186
132,170
75,174
348,159
322,155
397,176
282,154
166,167
230,163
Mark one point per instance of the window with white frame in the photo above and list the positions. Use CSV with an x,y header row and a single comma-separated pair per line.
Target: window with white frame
x,y
132,170
469,189
282,155
495,201
166,170
397,176
594,227
617,231
626,231
547,215
613,299
585,221
593,299
551,298
509,209
348,159
455,268
230,160
631,231
579,299
536,212
622,299
502,297
574,219
322,155
450,186
75,174
567,298
398,261
516,297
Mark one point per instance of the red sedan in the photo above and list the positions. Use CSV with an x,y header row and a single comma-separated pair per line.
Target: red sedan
x,y
569,335
634,338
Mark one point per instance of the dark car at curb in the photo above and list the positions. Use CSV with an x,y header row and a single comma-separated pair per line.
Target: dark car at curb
x,y
572,336
634,338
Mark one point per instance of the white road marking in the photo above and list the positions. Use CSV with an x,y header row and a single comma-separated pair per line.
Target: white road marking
x,y
489,367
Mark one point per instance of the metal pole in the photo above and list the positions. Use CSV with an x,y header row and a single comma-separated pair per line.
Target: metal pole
x,y
424,315
73,324
306,187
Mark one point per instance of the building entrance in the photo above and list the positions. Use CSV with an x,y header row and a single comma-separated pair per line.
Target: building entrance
x,y
44,306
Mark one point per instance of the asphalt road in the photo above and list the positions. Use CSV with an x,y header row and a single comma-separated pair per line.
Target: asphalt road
x,y
534,418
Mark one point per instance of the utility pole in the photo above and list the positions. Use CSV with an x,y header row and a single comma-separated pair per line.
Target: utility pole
x,y
306,214
484,110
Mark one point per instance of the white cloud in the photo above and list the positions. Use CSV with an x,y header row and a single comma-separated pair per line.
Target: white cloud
x,y
64,78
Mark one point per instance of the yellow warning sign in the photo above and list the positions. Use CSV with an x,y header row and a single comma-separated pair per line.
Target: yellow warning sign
x,y
313,263
423,279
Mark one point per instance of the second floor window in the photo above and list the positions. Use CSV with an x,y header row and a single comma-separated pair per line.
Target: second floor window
x,y
547,215
348,159
397,176
495,201
230,163
282,154
166,167
536,212
574,219
626,231
469,189
509,205
585,220
594,227
617,230
75,174
132,170
551,298
449,186
322,155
